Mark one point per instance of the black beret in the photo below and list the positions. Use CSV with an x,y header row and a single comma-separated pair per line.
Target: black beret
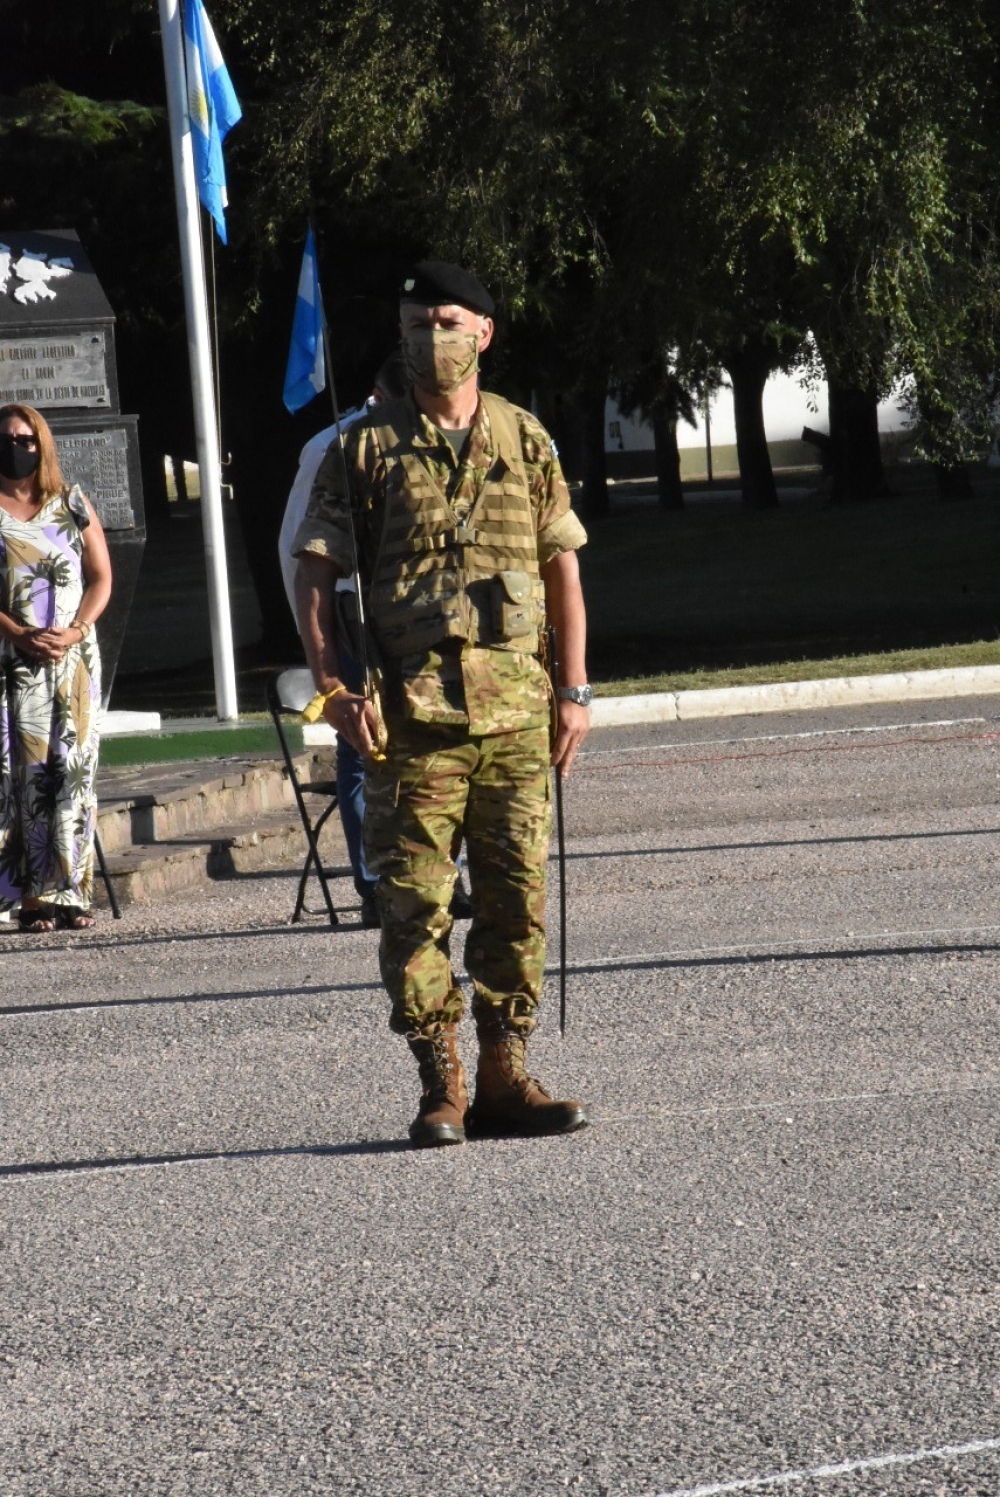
x,y
435,283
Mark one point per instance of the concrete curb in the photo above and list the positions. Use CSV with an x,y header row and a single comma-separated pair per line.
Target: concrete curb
x,y
119,724
148,738
796,696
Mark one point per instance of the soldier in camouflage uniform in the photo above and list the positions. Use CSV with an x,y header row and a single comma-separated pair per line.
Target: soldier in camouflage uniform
x,y
467,544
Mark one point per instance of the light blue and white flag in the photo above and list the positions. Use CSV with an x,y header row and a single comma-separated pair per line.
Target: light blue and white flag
x,y
213,108
305,375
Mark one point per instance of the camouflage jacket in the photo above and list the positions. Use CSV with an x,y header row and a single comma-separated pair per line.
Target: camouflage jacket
x,y
491,690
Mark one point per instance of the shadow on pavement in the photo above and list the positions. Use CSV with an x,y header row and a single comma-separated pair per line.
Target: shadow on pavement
x,y
209,1156
161,1001
759,958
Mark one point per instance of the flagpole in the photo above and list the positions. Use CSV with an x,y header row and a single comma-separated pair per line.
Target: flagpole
x,y
199,355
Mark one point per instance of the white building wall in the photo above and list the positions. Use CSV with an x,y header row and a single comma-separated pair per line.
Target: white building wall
x,y
787,410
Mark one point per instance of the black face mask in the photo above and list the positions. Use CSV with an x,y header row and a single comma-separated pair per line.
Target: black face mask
x,y
16,462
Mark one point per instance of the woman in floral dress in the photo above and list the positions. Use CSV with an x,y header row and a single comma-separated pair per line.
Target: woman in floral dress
x,y
55,580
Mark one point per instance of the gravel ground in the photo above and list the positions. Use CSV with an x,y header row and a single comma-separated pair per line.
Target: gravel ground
x,y
773,1255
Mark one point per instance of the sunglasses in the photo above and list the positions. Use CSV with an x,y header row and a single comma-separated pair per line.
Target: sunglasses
x,y
18,439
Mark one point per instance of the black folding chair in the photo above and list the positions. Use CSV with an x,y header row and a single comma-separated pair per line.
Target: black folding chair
x,y
102,862
287,693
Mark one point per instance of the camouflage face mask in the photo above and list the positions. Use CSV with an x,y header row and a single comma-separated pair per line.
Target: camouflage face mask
x,y
438,361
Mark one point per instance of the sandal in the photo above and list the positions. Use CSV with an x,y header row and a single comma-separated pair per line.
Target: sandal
x,y
72,917
41,919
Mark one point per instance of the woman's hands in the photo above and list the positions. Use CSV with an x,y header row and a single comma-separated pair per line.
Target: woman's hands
x,y
46,645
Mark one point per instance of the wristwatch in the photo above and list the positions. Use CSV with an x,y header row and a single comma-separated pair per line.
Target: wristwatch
x,y
581,695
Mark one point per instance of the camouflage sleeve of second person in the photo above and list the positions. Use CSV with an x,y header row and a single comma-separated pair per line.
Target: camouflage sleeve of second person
x,y
558,527
325,530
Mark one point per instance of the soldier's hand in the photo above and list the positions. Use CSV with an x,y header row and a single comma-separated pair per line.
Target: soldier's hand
x,y
574,725
354,716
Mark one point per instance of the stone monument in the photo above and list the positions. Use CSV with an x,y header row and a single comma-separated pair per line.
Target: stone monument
x,y
57,353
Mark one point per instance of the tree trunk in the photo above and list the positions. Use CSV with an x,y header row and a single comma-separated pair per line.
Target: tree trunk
x,y
563,420
595,500
668,461
950,473
953,481
748,370
179,472
261,474
855,450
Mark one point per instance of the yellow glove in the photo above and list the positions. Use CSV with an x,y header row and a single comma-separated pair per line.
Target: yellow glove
x,y
314,711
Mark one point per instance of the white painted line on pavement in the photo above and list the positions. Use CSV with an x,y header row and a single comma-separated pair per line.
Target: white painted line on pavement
x,y
652,748
791,1104
842,1468
778,948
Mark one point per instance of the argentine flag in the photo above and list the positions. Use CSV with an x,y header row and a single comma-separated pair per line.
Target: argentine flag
x,y
305,375
213,108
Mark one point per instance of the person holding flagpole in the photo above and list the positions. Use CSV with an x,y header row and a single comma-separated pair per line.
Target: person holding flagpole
x,y
455,502
388,384
305,377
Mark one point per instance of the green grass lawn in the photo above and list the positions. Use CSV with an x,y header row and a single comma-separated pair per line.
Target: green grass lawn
x,y
945,657
716,594
711,596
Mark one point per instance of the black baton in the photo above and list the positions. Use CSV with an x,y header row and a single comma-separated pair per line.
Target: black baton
x,y
560,840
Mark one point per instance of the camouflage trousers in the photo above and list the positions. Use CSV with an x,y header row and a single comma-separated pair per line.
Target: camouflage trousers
x,y
437,786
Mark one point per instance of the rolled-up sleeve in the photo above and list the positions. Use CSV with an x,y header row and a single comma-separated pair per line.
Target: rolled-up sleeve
x,y
564,534
557,526
325,530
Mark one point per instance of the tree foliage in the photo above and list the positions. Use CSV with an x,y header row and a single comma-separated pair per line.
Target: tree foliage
x,y
653,188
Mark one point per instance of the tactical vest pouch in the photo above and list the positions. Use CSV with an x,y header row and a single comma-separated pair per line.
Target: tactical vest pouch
x,y
511,605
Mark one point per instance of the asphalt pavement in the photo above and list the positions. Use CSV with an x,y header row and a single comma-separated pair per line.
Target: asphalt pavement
x,y
770,1264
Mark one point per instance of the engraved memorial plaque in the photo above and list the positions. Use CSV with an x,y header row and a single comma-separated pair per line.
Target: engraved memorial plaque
x,y
56,325
58,370
103,459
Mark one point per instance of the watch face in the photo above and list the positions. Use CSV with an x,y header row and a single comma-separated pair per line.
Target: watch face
x,y
582,695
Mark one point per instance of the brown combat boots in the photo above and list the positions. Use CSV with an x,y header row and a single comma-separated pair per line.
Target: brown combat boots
x,y
445,1100
508,1100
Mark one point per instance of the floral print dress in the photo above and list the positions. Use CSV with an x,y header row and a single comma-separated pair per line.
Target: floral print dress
x,y
49,714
